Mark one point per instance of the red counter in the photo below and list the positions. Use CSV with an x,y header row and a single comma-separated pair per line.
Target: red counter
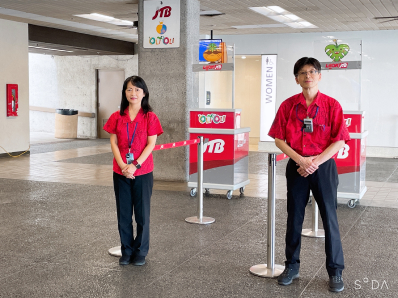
x,y
226,149
351,159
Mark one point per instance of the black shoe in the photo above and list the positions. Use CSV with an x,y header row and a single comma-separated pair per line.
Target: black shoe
x,y
287,276
336,284
138,261
125,260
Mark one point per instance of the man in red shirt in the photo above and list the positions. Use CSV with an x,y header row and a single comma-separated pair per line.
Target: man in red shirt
x,y
309,127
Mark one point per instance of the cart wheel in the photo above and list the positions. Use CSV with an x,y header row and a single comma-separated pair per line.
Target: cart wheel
x,y
351,203
310,200
229,194
207,191
193,192
242,190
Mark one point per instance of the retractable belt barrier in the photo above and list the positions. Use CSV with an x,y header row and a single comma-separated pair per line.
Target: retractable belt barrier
x,y
200,219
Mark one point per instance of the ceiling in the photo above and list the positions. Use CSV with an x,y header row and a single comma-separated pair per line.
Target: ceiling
x,y
327,15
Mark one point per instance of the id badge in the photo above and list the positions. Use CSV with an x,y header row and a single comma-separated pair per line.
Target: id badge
x,y
129,158
308,125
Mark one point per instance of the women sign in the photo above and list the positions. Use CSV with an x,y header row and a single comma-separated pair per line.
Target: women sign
x,y
161,24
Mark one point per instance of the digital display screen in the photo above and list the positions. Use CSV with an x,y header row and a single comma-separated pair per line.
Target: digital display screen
x,y
204,46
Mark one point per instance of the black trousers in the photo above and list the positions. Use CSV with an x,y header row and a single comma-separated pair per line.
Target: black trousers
x,y
133,196
323,184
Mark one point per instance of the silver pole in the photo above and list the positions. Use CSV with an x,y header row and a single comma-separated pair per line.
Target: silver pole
x,y
200,219
270,269
314,232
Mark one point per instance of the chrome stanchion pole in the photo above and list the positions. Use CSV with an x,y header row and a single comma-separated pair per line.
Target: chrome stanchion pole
x,y
200,219
314,232
270,269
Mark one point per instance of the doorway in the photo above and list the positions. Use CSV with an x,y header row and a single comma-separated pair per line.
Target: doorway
x,y
109,90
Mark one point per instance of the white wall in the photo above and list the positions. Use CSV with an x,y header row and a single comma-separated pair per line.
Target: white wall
x,y
379,94
68,82
14,136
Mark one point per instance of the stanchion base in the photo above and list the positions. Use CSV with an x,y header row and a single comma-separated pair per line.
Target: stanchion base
x,y
115,251
314,234
263,271
196,220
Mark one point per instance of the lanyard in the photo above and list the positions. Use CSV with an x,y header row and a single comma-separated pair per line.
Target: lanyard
x,y
316,112
128,135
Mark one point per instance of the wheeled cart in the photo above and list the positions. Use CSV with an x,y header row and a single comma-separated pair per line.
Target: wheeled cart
x,y
226,150
351,160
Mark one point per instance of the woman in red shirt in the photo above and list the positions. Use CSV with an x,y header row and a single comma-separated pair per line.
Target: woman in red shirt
x,y
133,131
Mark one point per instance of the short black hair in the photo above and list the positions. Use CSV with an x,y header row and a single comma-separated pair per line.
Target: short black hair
x,y
140,83
306,61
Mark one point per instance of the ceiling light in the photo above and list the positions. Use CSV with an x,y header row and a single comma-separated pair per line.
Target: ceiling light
x,y
259,26
277,9
107,19
283,16
293,17
50,49
243,57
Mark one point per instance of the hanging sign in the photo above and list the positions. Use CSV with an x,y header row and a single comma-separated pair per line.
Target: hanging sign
x,y
268,95
161,24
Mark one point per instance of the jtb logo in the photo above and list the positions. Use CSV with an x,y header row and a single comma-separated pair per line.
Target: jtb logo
x,y
163,12
216,145
343,152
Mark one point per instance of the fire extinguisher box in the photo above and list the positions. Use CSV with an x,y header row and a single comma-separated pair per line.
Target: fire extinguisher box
x,y
226,149
351,159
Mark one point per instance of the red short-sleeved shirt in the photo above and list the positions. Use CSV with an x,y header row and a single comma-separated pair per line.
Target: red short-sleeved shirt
x,y
329,124
147,125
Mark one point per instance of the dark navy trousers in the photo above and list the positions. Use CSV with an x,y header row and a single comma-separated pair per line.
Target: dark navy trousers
x,y
323,184
133,196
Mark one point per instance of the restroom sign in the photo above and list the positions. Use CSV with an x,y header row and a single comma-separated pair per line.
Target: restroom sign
x,y
268,95
161,24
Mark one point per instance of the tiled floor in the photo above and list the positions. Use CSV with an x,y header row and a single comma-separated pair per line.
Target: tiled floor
x,y
57,221
90,162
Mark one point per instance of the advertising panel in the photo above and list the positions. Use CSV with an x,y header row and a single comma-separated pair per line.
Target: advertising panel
x,y
161,24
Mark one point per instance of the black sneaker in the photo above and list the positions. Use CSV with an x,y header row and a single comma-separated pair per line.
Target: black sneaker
x,y
336,284
125,260
287,276
138,261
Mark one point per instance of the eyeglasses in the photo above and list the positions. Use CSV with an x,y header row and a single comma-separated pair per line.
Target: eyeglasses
x,y
311,73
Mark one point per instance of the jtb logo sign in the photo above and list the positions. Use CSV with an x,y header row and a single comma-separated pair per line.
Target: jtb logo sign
x,y
343,152
163,12
216,146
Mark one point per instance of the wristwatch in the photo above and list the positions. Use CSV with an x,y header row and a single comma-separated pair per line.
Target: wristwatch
x,y
137,165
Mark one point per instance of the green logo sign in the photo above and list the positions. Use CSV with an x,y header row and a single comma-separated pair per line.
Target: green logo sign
x,y
337,51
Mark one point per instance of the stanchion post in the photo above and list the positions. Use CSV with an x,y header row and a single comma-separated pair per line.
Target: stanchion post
x,y
314,232
200,219
270,269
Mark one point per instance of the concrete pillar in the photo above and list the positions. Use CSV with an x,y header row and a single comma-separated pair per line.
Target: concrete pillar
x,y
173,89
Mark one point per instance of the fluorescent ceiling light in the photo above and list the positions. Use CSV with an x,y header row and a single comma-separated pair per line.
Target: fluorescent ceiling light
x,y
106,19
293,17
50,49
277,9
283,16
259,26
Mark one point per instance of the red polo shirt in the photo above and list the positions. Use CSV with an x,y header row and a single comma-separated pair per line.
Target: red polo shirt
x,y
329,124
147,125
